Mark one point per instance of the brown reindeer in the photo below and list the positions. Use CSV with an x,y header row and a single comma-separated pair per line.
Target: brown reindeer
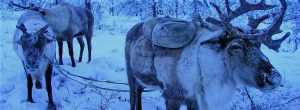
x,y
68,22
201,65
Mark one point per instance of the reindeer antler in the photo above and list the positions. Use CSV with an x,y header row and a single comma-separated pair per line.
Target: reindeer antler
x,y
264,36
22,28
31,7
253,23
43,30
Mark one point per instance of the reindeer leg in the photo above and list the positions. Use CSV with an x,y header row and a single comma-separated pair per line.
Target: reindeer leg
x,y
89,43
139,97
133,92
81,43
191,105
172,104
29,88
48,77
60,51
71,53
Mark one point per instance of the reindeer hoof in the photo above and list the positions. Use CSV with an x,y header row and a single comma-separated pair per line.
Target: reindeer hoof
x,y
38,85
60,63
30,100
73,65
51,106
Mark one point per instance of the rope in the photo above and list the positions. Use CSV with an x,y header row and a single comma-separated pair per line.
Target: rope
x,y
67,74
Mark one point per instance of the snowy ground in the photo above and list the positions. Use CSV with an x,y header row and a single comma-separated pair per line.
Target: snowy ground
x,y
108,63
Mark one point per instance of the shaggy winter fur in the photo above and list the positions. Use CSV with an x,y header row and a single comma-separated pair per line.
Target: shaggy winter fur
x,y
70,22
33,22
201,74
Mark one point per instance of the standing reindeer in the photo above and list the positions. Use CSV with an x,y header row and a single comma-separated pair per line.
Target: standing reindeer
x,y
33,41
68,22
201,66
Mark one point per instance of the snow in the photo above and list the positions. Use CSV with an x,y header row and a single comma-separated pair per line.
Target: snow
x,y
108,63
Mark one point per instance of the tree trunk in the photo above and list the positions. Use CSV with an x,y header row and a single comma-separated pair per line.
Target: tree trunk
x,y
154,10
58,2
195,6
112,8
88,4
176,8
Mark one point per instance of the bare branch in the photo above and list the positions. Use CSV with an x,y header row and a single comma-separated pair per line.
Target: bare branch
x,y
68,75
253,107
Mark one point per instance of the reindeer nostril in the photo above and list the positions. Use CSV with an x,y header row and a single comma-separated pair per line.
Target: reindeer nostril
x,y
27,66
36,66
269,71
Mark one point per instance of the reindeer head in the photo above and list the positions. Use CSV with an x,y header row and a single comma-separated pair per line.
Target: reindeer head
x,y
243,56
33,46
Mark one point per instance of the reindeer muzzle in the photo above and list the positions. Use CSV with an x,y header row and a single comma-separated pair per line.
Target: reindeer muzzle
x,y
268,81
32,64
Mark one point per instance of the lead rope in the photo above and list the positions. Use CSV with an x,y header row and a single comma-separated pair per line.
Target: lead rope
x,y
69,75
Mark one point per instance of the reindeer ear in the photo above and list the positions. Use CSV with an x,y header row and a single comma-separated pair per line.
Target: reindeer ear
x,y
213,37
22,28
42,11
216,40
18,42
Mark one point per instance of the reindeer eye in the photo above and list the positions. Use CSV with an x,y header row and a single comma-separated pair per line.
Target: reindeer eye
x,y
235,46
25,45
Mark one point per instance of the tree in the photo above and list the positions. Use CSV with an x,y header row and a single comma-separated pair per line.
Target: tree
x,y
154,9
88,4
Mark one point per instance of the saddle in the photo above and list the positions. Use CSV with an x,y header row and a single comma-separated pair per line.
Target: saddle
x,y
169,32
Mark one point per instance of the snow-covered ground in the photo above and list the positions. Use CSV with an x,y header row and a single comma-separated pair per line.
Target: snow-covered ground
x,y
108,63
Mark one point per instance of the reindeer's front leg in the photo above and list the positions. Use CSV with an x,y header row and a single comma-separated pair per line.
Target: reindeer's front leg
x,y
71,53
191,105
29,88
60,51
172,104
81,43
48,76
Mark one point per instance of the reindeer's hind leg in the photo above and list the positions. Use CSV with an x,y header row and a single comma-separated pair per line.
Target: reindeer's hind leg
x,y
29,88
135,94
60,51
132,86
89,43
139,91
48,77
81,43
71,52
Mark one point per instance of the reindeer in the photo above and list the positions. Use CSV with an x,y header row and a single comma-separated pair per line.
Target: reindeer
x,y
201,65
68,22
33,40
